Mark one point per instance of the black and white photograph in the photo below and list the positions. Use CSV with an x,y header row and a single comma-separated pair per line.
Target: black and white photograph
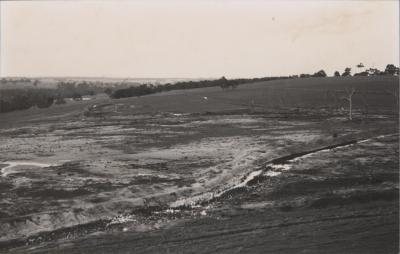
x,y
199,126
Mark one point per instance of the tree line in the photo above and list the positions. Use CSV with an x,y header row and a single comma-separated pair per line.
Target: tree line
x,y
227,84
146,89
18,99
390,69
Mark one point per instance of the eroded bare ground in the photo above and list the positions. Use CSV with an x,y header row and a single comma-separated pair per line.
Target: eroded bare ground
x,y
174,182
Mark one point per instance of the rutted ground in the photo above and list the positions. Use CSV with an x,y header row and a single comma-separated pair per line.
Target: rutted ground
x,y
71,173
85,170
178,172
325,198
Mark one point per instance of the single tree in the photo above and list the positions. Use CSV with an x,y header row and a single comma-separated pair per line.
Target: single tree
x,y
391,69
347,72
360,65
320,73
304,75
373,71
349,98
336,74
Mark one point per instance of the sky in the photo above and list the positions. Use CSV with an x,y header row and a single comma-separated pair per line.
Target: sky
x,y
195,39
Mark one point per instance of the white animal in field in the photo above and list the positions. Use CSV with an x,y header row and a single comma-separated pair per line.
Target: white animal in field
x,y
205,98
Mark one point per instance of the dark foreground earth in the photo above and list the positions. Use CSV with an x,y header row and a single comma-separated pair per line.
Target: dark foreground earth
x,y
217,176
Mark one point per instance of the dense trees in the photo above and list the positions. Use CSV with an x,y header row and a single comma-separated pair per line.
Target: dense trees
x,y
30,94
320,73
133,91
223,82
18,99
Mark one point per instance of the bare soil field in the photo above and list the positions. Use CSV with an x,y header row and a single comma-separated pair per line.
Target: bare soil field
x,y
272,167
